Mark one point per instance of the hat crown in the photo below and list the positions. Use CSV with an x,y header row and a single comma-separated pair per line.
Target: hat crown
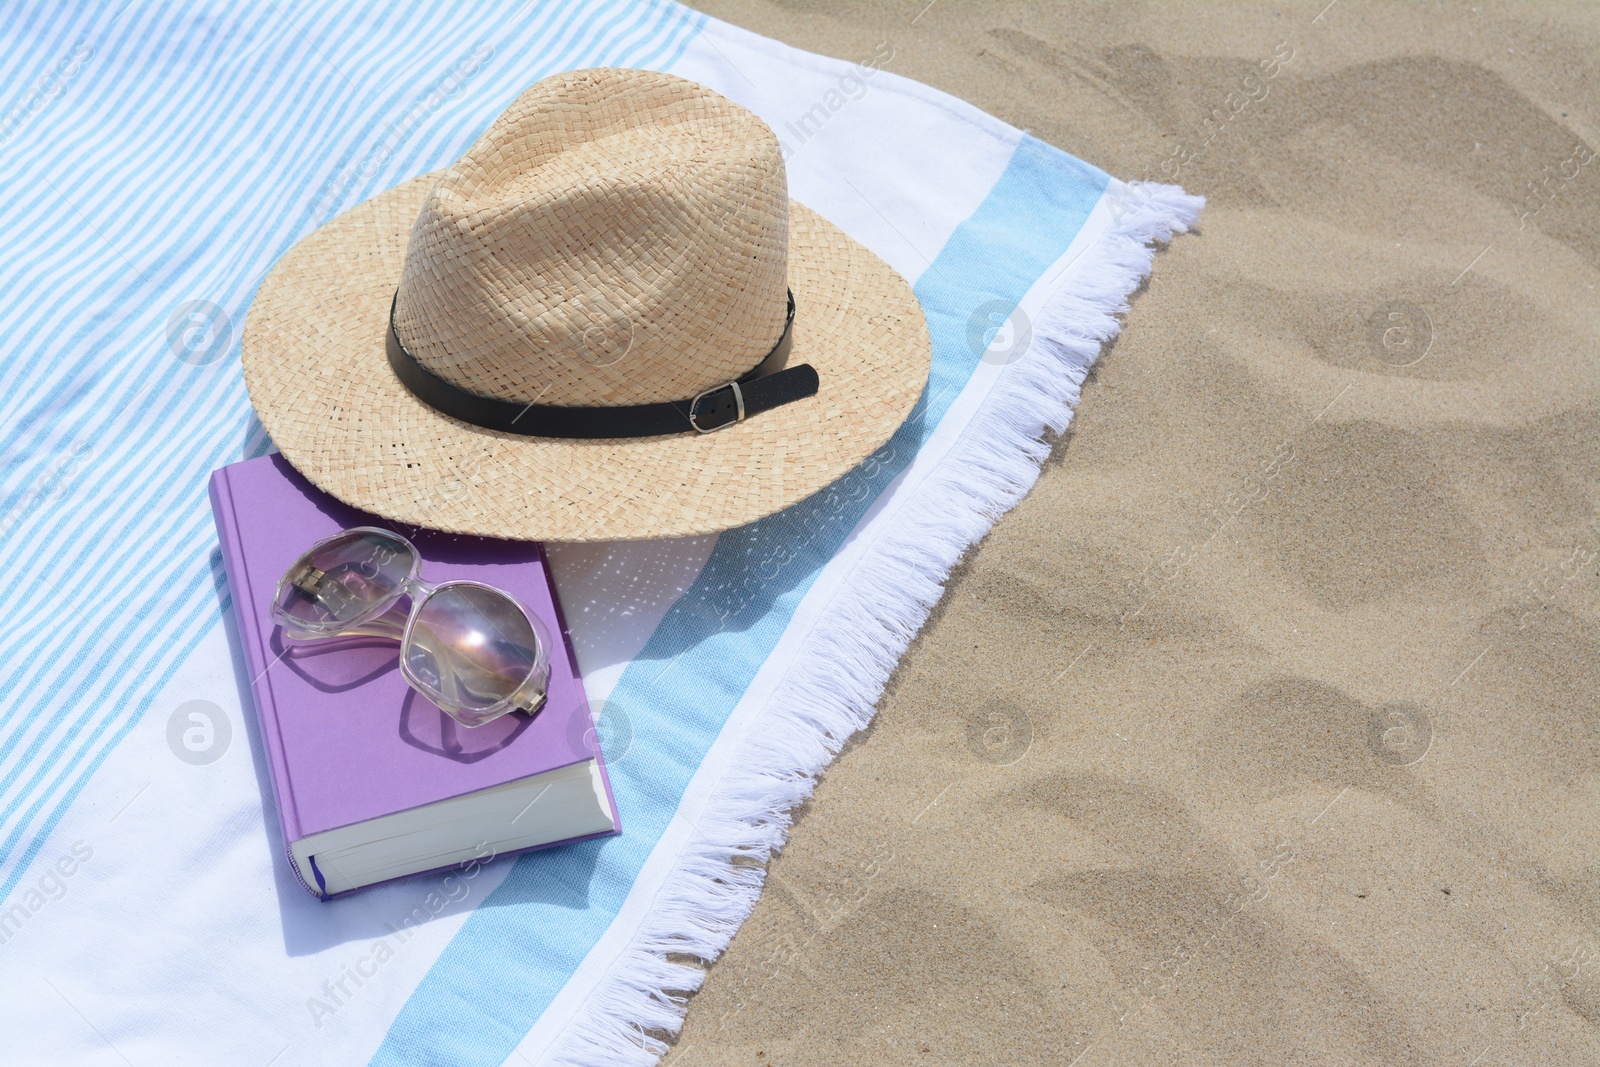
x,y
616,237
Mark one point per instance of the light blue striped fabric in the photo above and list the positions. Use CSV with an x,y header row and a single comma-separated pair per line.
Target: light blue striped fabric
x,y
166,154
169,153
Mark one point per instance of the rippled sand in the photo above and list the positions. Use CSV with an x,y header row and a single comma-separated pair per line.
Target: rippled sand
x,y
1264,730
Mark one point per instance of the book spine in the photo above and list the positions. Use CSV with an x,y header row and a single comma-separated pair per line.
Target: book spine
x,y
251,638
577,680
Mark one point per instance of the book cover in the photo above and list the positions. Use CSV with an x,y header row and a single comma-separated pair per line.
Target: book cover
x,y
346,738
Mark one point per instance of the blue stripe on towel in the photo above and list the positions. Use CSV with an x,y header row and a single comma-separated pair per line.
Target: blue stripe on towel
x,y
522,945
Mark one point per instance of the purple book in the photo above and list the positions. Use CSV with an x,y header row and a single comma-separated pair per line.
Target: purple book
x,y
372,781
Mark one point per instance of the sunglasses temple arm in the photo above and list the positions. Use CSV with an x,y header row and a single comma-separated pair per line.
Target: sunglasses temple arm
x,y
450,688
391,624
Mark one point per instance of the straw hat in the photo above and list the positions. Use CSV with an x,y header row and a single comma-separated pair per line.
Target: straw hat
x,y
529,343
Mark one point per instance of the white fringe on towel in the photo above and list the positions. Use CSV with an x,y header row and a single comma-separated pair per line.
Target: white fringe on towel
x,y
832,689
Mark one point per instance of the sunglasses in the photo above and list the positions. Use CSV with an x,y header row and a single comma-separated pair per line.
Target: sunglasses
x,y
470,648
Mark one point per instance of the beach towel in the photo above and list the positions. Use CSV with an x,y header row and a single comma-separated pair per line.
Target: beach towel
x,y
156,158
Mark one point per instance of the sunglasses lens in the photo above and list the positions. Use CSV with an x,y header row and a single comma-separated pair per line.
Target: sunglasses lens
x,y
472,650
341,581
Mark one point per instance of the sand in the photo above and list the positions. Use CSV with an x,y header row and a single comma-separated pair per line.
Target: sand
x,y
1264,729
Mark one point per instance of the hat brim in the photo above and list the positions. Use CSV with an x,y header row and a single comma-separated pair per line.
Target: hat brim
x,y
316,366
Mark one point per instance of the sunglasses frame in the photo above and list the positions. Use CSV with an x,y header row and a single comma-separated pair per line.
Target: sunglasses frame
x,y
380,621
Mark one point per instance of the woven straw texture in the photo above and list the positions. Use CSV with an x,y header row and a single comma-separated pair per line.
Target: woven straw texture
x,y
615,237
